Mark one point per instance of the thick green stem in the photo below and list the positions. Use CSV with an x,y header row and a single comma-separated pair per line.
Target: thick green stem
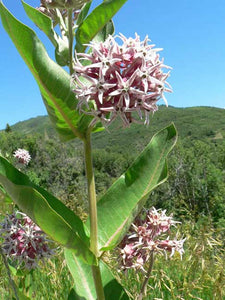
x,y
91,194
71,37
98,282
93,214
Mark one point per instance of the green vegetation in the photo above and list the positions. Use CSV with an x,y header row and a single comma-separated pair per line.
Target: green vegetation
x,y
194,193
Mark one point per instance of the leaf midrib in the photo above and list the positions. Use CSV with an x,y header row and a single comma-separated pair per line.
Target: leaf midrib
x,y
38,79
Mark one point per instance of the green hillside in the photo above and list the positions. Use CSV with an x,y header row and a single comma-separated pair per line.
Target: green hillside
x,y
194,122
40,124
201,145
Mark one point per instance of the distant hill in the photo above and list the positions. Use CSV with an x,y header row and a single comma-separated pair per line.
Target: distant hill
x,y
40,124
193,122
196,165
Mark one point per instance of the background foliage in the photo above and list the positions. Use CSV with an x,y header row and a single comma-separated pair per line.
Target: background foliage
x,y
194,192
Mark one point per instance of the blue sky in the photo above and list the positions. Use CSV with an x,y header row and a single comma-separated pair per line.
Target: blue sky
x,y
192,34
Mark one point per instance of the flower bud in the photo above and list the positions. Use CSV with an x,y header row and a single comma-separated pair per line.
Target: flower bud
x,y
76,4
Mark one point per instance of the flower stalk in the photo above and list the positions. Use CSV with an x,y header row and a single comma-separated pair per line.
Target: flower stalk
x,y
90,178
70,36
93,213
147,276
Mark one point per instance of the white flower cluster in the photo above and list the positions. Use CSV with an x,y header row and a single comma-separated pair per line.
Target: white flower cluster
x,y
23,157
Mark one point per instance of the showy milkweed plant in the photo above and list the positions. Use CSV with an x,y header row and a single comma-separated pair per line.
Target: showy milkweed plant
x,y
109,77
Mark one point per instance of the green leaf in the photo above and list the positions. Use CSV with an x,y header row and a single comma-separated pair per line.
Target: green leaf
x,y
95,21
125,198
42,21
17,272
20,294
62,52
46,25
83,13
5,197
54,218
53,81
84,288
107,30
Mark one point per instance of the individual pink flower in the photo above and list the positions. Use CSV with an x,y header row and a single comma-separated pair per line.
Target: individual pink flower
x,y
23,241
120,80
23,157
143,239
172,246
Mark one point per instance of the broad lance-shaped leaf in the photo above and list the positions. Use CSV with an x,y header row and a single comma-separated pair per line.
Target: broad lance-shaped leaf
x,y
95,21
103,34
124,199
46,25
83,13
54,218
54,82
42,21
84,288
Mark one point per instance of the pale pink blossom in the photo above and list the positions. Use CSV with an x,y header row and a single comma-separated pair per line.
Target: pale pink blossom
x,y
120,80
172,246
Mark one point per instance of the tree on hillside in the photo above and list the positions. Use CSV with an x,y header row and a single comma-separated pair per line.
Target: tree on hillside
x,y
8,128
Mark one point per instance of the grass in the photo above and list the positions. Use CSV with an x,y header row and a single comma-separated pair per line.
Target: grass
x,y
199,275
51,280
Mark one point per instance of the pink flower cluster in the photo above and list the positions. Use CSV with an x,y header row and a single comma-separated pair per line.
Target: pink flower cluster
x,y
23,157
120,79
143,239
23,241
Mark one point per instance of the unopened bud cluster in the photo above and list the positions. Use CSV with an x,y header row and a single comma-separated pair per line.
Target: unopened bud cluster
x,y
48,7
120,79
76,4
23,241
144,238
23,157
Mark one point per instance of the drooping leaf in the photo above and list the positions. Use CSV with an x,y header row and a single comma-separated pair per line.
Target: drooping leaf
x,y
124,199
95,21
54,218
54,82
84,288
